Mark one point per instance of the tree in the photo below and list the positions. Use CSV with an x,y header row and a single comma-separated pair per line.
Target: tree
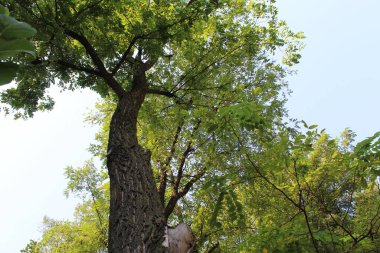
x,y
305,192
302,192
157,59
88,232
31,247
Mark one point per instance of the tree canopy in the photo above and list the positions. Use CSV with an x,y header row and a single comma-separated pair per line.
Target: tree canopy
x,y
199,85
195,46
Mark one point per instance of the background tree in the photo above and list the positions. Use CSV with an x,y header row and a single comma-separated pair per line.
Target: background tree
x,y
188,52
297,192
89,231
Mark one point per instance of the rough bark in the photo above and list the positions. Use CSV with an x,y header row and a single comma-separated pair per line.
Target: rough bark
x,y
136,222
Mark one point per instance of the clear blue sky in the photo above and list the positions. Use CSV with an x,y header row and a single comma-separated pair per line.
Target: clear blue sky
x,y
337,86
338,82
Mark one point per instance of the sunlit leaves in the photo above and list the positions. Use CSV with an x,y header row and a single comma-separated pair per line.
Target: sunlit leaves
x,y
88,232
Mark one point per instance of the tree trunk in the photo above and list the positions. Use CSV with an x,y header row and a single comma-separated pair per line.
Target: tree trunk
x,y
136,222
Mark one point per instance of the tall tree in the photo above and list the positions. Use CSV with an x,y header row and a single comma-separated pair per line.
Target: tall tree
x,y
213,59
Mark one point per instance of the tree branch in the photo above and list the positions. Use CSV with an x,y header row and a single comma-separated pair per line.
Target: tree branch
x,y
161,92
111,82
164,167
189,184
258,170
325,208
178,195
185,154
124,57
301,203
78,68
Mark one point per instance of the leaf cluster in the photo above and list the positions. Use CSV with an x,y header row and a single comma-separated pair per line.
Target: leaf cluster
x,y
14,39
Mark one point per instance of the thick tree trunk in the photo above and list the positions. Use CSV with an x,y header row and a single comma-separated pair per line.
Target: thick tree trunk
x,y
136,222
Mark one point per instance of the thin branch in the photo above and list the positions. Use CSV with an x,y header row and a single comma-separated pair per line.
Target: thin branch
x,y
124,57
257,169
185,154
177,196
330,213
303,209
313,240
161,92
148,64
182,82
164,167
373,222
189,184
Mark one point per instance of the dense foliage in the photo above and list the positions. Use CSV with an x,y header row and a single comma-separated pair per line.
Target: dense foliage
x,y
298,192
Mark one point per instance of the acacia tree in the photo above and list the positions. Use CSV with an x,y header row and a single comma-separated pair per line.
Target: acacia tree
x,y
189,52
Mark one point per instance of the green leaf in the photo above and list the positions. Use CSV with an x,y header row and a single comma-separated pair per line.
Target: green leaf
x,y
212,128
7,72
10,48
18,30
4,10
304,124
5,21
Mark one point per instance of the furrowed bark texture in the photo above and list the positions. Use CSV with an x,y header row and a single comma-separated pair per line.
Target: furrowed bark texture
x,y
136,222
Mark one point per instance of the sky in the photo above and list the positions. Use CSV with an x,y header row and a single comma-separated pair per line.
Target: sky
x,y
336,86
